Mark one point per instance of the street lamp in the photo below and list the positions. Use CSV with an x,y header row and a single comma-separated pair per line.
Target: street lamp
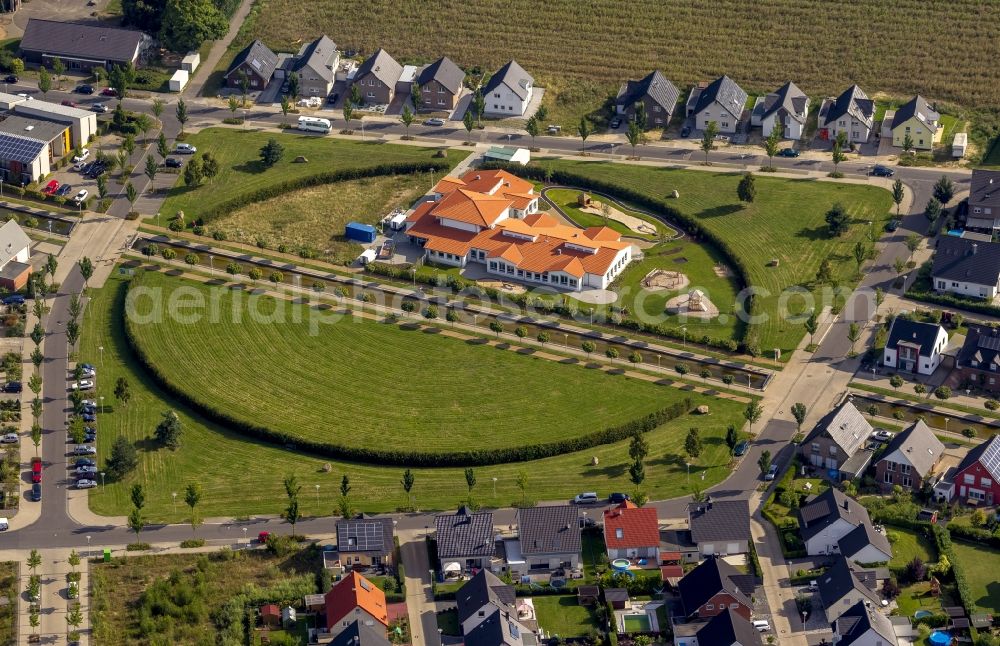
x,y
174,496
684,338
566,339
157,218
211,263
245,536
688,465
102,480
102,404
88,545
317,493
494,487
100,349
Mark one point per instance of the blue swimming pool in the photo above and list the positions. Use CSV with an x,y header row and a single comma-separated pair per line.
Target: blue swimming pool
x,y
940,638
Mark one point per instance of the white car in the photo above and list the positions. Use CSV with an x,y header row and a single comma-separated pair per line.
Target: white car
x,y
86,484
311,102
83,384
82,156
89,403
81,197
84,449
88,373
79,166
24,95
184,149
882,435
9,438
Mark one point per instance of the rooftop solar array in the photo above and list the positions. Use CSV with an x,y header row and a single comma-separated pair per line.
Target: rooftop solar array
x,y
361,536
991,458
20,149
989,341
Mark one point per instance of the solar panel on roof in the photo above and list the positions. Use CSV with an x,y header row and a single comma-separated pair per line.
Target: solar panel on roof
x,y
991,458
19,149
989,342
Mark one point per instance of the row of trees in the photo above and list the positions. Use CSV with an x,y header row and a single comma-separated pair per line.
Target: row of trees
x,y
74,614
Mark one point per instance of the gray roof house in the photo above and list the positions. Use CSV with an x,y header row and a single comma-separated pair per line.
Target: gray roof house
x,y
919,108
487,613
316,65
829,524
508,91
257,61
365,541
720,527
910,458
841,587
657,94
852,113
358,633
721,101
445,72
966,267
863,625
377,77
920,121
549,537
786,109
465,540
984,199
837,442
729,629
81,46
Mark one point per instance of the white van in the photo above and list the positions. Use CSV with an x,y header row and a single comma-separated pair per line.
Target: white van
x,y
762,625
4,525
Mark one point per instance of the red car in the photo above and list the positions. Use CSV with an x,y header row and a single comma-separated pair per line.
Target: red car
x,y
109,91
36,472
51,187
69,103
262,537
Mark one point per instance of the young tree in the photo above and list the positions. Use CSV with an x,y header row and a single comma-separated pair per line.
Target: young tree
x,y
479,104
123,458
292,513
812,324
348,115
244,82
933,210
408,482
17,66
233,105
895,381
907,143
136,523
151,168
34,560
123,392
355,96
542,113
59,68
209,165
853,334
192,496
120,78
407,119
286,107
898,265
771,145
708,139
271,153
944,190
746,190
161,146
36,436
861,254
588,347
44,81
764,461
838,153
638,447
799,412
73,560
470,480
752,413
637,472
192,172
75,616
633,135
897,194
521,480
469,122
584,130
168,431
879,298
181,113
294,88
131,194
158,105
497,327
692,443
533,129
416,92
611,353
838,220
732,438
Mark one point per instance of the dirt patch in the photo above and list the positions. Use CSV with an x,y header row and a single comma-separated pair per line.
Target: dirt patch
x,y
636,224
665,281
722,271
510,288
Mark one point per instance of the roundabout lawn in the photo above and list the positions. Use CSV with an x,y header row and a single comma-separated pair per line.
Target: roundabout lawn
x,y
243,477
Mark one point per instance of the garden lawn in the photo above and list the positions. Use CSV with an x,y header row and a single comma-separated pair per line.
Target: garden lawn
x,y
241,477
910,544
786,223
562,615
240,171
314,217
980,564
566,199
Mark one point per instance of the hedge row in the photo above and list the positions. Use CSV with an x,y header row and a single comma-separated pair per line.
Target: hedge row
x,y
387,456
975,534
343,175
980,307
942,537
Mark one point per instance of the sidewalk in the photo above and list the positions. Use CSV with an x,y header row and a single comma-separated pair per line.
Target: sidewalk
x,y
420,606
775,578
219,48
27,511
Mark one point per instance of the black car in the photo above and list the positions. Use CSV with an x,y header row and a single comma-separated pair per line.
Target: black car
x,y
741,448
333,98
615,123
170,162
882,171
13,387
788,152
892,225
84,89
685,131
36,491
84,462
64,189
10,78
95,170
618,498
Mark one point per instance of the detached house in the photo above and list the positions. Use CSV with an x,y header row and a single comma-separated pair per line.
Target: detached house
x,y
632,532
852,113
918,120
863,625
15,256
837,442
966,267
785,109
548,538
834,523
377,77
842,586
979,359
508,92
984,200
440,85
726,629
720,527
914,346
257,62
355,600
316,65
655,93
977,479
488,615
721,101
714,587
365,542
465,541
909,458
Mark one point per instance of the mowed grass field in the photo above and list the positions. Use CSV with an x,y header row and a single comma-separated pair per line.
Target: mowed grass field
x,y
240,172
315,217
784,223
242,477
584,49
981,564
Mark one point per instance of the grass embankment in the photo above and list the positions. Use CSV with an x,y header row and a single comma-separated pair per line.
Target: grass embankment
x,y
240,171
785,223
243,477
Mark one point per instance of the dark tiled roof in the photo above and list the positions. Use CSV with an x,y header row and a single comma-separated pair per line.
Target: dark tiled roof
x,y
74,40
654,85
366,635
259,57
984,189
790,100
722,520
838,581
708,579
549,530
482,590
371,535
513,76
846,425
465,534
982,345
861,537
615,594
729,628
988,454
920,446
967,261
916,107
858,620
923,334
318,56
726,92
500,630
445,72
826,508
383,67
854,103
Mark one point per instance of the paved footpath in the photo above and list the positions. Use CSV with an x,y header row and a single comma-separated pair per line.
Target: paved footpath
x,y
219,48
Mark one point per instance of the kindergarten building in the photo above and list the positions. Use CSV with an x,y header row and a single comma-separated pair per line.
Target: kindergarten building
x,y
492,218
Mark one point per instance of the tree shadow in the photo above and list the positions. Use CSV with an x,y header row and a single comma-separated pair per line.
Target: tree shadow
x,y
431,330
719,211
252,166
607,471
821,232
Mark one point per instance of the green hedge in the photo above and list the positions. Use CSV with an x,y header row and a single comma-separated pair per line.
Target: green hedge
x,y
980,307
402,457
329,177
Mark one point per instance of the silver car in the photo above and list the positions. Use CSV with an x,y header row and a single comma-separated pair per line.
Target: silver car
x,y
86,484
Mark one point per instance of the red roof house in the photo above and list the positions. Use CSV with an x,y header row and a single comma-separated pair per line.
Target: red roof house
x,y
632,532
270,614
356,599
977,480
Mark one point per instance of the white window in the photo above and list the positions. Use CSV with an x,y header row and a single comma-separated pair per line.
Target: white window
x,y
833,450
907,481
969,479
977,209
815,447
986,482
904,468
709,606
888,478
890,466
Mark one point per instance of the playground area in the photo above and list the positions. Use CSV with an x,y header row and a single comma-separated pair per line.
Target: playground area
x,y
665,280
694,303
606,209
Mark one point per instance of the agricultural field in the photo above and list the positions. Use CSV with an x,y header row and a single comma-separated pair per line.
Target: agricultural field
x,y
315,217
785,223
249,480
582,50
240,170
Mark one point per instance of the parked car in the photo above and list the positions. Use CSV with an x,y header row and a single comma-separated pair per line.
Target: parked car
x,y
84,483
10,78
36,471
68,103
892,225
587,521
170,162
771,472
96,170
51,187
64,190
80,167
788,152
87,371
263,536
89,403
84,449
84,462
553,129
83,384
88,417
615,123
25,95
686,131
333,98
878,170
13,387
100,108
14,299
741,448
82,156
618,498
434,121
86,469
9,438
109,91
882,435
36,491
586,498
81,197
184,149
84,89
762,625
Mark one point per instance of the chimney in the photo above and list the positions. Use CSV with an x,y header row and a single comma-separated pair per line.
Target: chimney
x,y
975,248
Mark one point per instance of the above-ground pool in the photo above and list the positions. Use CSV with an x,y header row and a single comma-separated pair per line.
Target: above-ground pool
x,y
940,638
620,564
922,613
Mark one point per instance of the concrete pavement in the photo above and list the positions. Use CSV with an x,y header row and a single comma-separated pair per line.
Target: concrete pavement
x,y
420,604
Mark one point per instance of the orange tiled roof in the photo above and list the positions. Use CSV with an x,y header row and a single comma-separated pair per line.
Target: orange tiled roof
x,y
447,184
471,207
355,591
538,220
420,211
520,200
603,234
486,181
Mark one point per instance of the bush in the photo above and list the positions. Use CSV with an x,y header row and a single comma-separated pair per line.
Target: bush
x,y
992,404
193,542
137,547
942,392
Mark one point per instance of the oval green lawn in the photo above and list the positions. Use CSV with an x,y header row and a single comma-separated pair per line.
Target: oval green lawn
x,y
360,383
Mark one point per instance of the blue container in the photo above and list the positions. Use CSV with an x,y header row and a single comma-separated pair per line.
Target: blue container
x,y
360,232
